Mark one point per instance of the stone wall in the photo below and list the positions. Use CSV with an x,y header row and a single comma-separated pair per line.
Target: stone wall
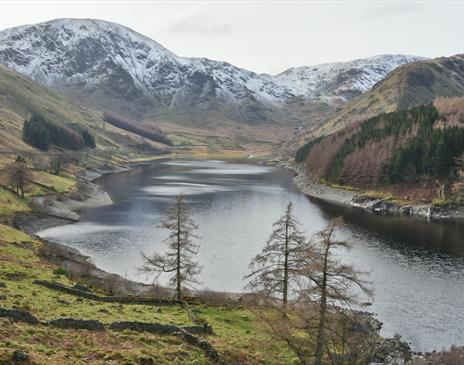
x,y
106,299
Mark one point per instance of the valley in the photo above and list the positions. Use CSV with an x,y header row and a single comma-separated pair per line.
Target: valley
x,y
102,129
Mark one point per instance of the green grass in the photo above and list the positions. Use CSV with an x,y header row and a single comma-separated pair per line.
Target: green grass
x,y
10,203
46,182
53,346
239,337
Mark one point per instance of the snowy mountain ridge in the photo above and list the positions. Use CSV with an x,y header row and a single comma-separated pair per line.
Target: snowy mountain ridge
x,y
111,63
341,78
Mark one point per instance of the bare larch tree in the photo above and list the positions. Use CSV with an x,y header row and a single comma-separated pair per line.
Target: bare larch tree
x,y
17,175
328,281
178,261
321,284
272,271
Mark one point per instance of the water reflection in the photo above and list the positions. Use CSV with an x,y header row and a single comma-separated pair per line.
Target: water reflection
x,y
404,232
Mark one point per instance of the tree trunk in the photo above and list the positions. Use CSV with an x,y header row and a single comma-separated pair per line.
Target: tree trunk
x,y
178,288
285,286
322,308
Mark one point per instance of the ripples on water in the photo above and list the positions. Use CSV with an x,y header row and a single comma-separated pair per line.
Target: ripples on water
x,y
416,268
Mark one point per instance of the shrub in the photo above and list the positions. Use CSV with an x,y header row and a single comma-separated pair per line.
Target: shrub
x,y
61,271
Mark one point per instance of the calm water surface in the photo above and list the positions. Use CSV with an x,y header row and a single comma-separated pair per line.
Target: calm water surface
x,y
416,268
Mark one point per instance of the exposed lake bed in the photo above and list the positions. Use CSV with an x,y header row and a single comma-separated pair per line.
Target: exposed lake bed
x,y
418,287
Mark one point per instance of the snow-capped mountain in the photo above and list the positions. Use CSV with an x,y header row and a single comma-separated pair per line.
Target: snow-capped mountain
x,y
109,65
340,79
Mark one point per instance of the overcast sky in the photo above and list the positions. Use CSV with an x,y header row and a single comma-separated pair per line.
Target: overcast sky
x,y
270,36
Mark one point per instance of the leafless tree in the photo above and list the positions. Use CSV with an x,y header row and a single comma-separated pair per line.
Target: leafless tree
x,y
273,270
327,281
322,284
352,338
17,175
178,262
58,163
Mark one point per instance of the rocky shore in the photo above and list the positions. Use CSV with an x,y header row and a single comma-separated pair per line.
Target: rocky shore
x,y
354,199
88,194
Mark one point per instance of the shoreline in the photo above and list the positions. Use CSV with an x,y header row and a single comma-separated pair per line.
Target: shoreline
x,y
73,260
88,194
380,206
56,210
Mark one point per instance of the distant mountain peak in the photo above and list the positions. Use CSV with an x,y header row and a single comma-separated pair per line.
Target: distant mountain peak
x,y
110,65
342,79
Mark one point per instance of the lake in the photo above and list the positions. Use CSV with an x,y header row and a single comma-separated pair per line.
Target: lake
x,y
416,268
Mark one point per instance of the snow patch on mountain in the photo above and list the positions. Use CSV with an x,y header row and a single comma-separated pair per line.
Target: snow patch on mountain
x,y
341,78
88,53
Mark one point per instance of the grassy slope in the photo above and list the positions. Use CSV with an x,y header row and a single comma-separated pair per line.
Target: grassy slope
x,y
239,337
21,96
10,203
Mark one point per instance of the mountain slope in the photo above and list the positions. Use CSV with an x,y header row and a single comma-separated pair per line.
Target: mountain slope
x,y
392,136
110,66
409,85
414,152
21,96
117,67
344,80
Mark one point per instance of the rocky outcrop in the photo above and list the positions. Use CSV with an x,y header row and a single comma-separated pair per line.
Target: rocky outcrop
x,y
392,351
36,221
387,207
383,206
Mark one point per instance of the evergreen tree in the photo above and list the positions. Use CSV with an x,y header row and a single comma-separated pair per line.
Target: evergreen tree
x,y
36,133
178,262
